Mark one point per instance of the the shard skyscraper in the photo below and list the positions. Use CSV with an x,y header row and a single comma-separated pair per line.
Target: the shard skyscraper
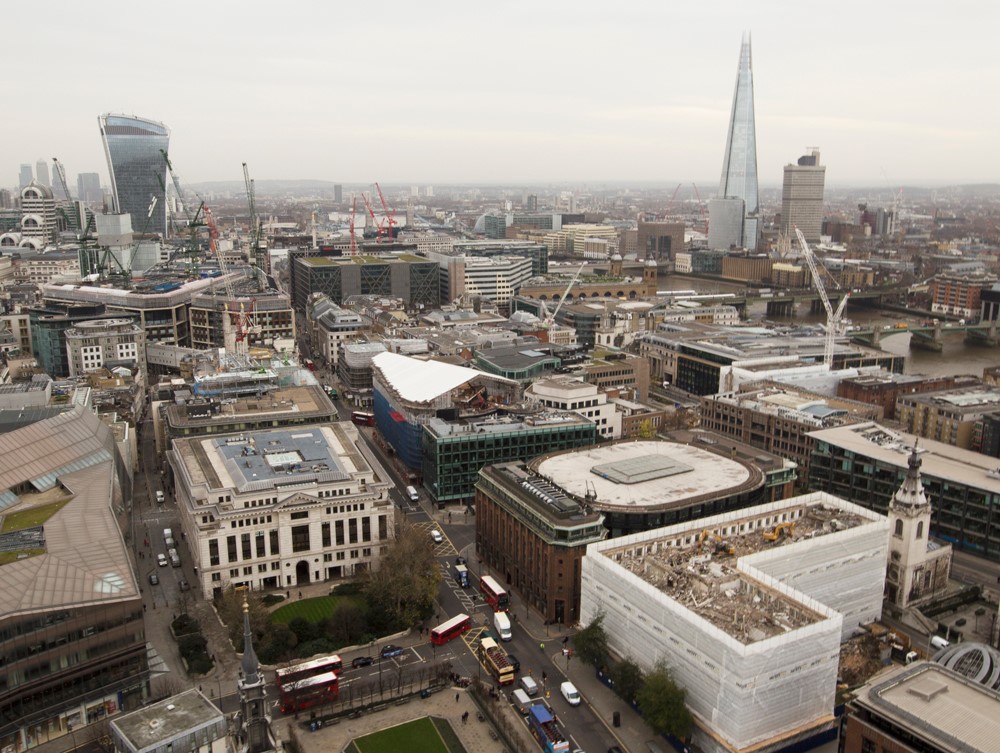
x,y
732,214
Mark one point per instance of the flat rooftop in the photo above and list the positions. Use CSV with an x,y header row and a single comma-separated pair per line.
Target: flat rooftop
x,y
938,460
505,424
696,567
647,474
304,402
160,723
262,460
939,705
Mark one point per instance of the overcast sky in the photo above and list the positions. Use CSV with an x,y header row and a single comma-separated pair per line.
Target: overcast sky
x,y
441,92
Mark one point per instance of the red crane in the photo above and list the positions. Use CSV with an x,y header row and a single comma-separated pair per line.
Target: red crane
x,y
390,216
371,213
213,232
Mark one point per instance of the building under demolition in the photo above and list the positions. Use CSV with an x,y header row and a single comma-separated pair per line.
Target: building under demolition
x,y
747,610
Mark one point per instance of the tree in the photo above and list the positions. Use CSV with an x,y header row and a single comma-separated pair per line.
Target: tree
x,y
591,643
661,702
230,610
403,588
647,430
628,679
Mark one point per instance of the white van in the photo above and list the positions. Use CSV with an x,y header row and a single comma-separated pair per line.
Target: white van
x,y
937,642
570,693
411,492
167,533
528,685
502,624
521,701
159,498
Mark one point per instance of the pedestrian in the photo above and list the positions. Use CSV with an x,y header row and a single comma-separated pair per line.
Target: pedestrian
x,y
541,646
456,697
545,676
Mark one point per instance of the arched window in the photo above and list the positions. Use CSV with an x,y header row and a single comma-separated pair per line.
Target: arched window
x,y
920,529
899,527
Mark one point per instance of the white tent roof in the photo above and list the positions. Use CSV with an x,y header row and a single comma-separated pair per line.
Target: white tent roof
x,y
421,381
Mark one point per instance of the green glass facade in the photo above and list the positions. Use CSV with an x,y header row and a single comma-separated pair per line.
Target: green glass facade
x,y
451,463
135,149
966,516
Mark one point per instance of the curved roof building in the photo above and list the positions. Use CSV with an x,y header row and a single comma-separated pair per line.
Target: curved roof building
x,y
138,168
647,484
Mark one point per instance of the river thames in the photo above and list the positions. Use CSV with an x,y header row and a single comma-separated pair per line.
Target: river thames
x,y
955,358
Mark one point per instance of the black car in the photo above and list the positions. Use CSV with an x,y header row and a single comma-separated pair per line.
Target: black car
x,y
514,662
362,661
154,579
184,585
390,650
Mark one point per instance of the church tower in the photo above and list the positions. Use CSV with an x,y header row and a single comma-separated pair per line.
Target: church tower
x,y
918,567
253,723
649,276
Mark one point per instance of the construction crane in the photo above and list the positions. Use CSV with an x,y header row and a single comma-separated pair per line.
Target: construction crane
x,y
237,324
701,206
74,222
354,209
551,320
377,232
833,318
390,216
256,248
177,186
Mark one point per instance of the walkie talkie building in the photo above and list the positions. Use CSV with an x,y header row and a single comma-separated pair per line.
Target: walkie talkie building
x,y
137,168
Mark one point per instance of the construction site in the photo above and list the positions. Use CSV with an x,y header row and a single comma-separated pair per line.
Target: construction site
x,y
747,609
699,571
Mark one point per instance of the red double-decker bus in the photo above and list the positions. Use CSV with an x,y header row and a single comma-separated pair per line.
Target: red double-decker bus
x,y
318,666
495,594
361,418
450,629
308,692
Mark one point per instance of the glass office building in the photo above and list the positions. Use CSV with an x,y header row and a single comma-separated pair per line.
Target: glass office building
x,y
739,166
137,168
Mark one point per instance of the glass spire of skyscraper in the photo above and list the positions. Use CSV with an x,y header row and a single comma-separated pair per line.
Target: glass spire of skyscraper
x,y
739,167
137,168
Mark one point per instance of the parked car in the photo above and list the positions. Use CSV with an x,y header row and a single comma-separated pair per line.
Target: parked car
x,y
154,579
362,661
161,559
390,650
436,536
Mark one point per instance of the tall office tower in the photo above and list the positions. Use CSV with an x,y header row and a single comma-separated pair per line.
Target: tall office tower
x,y
732,214
338,193
137,168
25,176
802,197
88,187
42,173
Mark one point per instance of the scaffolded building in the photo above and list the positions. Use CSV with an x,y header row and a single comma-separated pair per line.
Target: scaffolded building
x,y
747,610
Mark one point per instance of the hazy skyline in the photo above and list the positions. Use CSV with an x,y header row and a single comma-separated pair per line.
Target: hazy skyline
x,y
891,93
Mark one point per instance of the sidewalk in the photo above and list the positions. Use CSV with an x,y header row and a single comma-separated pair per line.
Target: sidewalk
x,y
633,733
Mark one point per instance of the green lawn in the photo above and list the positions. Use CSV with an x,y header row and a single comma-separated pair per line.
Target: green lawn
x,y
418,736
31,517
313,610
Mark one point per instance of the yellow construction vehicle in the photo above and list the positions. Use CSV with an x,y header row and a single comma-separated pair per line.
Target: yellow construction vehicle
x,y
780,530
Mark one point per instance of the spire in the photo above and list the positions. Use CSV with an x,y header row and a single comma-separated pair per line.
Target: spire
x,y
739,166
911,494
251,667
